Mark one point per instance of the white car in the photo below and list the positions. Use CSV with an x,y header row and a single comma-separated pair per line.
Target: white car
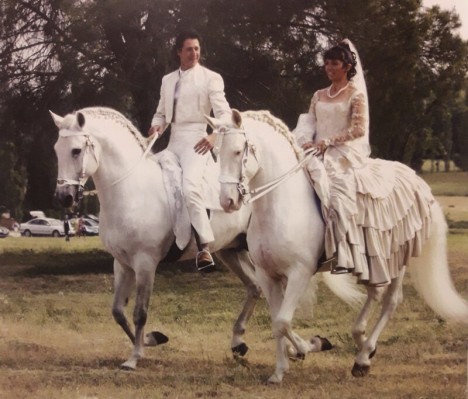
x,y
91,227
43,227
4,232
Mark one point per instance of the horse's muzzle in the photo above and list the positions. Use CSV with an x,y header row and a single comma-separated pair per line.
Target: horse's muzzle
x,y
69,195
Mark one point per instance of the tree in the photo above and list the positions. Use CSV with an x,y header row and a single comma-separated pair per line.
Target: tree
x,y
63,55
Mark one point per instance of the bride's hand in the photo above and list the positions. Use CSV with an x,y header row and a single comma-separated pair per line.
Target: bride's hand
x,y
321,146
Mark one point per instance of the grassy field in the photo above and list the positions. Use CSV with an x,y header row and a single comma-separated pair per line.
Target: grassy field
x,y
59,340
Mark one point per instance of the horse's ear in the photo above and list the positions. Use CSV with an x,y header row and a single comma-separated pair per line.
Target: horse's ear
x,y
80,119
213,122
236,118
57,119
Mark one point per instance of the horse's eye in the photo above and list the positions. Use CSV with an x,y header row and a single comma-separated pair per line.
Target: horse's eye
x,y
76,152
237,153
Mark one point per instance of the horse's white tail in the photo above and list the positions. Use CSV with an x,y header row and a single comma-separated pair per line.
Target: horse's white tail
x,y
431,277
344,287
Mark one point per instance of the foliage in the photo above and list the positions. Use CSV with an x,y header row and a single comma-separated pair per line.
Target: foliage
x,y
67,54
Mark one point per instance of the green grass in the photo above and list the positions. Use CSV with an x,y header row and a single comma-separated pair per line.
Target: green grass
x,y
448,184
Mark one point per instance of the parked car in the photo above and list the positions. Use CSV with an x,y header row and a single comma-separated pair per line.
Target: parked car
x,y
4,232
43,227
91,227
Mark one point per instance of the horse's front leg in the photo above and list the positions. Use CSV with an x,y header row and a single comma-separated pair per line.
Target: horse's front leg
x,y
297,283
144,273
273,291
124,281
240,264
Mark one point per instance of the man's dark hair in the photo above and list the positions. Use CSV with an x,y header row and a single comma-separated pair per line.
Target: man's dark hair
x,y
183,36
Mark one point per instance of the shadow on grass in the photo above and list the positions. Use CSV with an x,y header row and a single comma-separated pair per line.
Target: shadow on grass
x,y
69,264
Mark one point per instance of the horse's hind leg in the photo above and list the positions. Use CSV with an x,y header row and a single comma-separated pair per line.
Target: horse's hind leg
x,y
144,273
124,281
392,298
240,264
360,325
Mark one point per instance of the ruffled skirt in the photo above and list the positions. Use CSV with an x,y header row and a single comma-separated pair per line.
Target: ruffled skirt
x,y
377,214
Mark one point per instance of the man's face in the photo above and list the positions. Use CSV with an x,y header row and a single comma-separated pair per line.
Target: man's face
x,y
189,54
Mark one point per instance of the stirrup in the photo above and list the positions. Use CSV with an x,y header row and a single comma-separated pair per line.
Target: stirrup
x,y
328,264
206,265
339,270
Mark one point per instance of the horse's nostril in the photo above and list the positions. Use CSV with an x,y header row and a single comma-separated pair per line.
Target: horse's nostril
x,y
67,201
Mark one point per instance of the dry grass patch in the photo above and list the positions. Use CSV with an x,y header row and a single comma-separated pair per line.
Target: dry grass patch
x,y
58,340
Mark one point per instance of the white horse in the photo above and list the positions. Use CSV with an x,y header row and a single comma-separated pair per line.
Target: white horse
x,y
286,235
135,222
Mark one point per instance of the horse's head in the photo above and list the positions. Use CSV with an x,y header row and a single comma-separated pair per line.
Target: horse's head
x,y
238,162
77,154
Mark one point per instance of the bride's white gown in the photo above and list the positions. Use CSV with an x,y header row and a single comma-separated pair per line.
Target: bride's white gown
x,y
377,212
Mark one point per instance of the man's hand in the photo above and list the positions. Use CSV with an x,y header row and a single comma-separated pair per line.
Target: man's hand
x,y
153,130
205,144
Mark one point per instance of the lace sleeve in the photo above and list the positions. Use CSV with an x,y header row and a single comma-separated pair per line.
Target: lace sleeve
x,y
358,123
305,129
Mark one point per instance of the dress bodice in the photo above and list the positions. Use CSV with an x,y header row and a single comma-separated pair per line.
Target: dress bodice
x,y
332,119
345,122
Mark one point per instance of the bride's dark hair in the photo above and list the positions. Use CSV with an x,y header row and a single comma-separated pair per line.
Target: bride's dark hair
x,y
343,53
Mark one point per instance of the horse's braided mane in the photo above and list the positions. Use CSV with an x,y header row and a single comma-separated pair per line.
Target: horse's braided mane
x,y
117,117
278,125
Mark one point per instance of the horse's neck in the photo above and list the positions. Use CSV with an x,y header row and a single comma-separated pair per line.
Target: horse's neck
x,y
278,158
121,166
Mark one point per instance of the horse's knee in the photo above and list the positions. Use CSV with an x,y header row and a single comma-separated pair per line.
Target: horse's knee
x,y
255,292
119,316
280,327
358,332
139,317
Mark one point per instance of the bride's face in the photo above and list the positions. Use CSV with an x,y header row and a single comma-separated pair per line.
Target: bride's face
x,y
336,70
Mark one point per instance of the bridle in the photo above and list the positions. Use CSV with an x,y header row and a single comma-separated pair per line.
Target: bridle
x,y
241,182
89,147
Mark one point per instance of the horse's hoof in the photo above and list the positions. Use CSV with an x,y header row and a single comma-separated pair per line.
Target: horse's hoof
x,y
240,350
155,338
300,356
322,344
274,380
360,370
326,345
127,367
372,354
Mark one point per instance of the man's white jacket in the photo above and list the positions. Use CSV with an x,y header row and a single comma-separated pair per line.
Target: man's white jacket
x,y
200,91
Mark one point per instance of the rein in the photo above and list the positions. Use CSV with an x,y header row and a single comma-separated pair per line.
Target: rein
x,y
257,192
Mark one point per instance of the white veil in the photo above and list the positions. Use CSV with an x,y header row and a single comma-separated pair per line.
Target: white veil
x,y
359,80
